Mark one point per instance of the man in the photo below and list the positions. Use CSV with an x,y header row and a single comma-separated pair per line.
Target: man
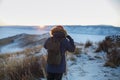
x,y
66,44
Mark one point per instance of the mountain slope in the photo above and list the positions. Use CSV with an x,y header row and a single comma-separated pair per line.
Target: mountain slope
x,y
21,41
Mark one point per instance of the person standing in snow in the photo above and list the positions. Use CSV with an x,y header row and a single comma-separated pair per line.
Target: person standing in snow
x,y
66,44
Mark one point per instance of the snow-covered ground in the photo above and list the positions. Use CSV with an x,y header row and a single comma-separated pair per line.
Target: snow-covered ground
x,y
88,67
13,47
85,69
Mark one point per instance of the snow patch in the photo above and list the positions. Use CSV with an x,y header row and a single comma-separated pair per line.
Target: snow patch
x,y
13,47
43,51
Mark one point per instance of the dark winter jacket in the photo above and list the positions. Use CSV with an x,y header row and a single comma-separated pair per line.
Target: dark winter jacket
x,y
67,44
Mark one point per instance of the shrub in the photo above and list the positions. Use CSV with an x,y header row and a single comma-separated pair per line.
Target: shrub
x,y
107,64
100,45
72,58
111,46
114,57
104,45
87,44
77,50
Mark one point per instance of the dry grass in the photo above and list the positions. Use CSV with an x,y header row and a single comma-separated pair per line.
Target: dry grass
x,y
77,51
112,50
71,56
29,67
88,43
104,45
114,57
100,47
108,63
27,52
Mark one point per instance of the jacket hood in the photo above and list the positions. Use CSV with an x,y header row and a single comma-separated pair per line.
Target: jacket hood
x,y
57,31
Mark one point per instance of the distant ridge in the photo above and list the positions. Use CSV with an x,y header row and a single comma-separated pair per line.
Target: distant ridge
x,y
76,29
102,25
93,29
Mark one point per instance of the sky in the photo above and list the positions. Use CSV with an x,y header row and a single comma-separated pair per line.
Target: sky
x,y
66,12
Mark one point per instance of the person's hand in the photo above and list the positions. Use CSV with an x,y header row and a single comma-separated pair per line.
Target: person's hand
x,y
68,36
70,39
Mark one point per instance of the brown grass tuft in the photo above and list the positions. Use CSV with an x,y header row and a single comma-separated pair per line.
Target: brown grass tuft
x,y
29,67
77,50
88,44
112,50
22,69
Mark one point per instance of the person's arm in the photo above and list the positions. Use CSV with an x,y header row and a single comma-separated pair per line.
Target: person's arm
x,y
69,44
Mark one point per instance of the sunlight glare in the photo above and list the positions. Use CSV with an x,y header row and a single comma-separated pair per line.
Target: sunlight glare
x,y
42,26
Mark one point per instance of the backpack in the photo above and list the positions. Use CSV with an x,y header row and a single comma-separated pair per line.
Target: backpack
x,y
54,54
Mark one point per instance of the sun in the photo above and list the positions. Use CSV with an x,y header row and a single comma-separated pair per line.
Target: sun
x,y
42,26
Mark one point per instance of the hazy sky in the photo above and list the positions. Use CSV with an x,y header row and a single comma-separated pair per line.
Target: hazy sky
x,y
71,12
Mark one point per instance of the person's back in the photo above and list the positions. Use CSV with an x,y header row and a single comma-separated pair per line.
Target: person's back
x,y
66,44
